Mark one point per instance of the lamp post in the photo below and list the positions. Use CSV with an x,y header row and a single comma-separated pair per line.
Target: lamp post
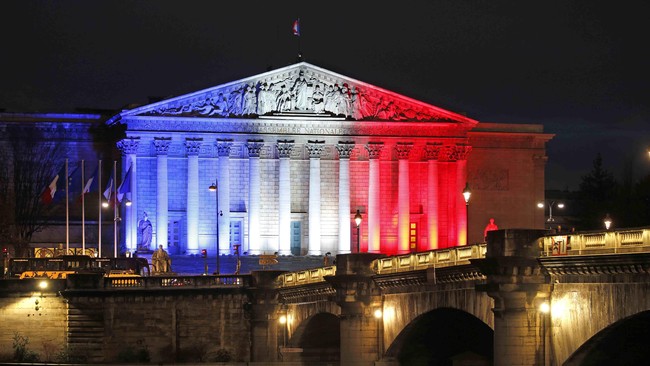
x,y
214,188
467,193
550,209
608,222
357,220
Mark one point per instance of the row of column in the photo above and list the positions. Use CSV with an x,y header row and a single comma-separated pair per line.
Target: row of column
x,y
443,193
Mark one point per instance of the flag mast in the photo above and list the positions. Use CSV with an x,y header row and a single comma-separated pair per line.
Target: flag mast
x,y
99,205
115,215
67,209
83,208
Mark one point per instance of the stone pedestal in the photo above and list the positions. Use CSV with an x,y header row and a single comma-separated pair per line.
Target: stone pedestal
x,y
518,285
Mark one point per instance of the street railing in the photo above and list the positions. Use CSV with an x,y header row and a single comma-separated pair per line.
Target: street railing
x,y
153,282
603,242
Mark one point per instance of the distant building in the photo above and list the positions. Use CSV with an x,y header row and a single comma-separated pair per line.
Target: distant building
x,y
296,151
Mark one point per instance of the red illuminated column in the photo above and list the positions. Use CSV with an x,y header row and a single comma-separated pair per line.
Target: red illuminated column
x,y
192,148
162,190
374,214
315,148
254,189
284,203
344,148
431,151
223,149
403,196
461,179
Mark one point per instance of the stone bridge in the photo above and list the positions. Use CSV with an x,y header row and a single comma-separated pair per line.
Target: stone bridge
x,y
524,298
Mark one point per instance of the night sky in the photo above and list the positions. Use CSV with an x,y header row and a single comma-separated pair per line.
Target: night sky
x,y
577,67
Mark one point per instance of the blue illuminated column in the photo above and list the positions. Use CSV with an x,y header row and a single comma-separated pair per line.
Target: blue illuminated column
x,y
193,147
374,216
223,150
254,191
129,149
162,190
284,200
403,197
344,148
315,148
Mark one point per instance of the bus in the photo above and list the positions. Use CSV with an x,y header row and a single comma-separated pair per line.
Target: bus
x,y
61,267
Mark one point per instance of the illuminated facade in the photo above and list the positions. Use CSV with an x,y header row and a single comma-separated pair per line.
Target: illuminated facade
x,y
296,152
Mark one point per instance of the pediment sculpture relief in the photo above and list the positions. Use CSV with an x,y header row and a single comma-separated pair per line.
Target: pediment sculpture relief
x,y
301,91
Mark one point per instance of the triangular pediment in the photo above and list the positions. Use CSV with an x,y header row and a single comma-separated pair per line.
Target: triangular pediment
x,y
302,88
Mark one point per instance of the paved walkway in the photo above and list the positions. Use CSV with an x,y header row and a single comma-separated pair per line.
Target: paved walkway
x,y
195,265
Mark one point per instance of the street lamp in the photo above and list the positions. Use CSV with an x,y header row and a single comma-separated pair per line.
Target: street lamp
x,y
357,220
550,209
607,221
213,188
467,192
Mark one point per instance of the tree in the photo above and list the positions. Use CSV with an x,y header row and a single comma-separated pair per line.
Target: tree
x,y
28,162
597,194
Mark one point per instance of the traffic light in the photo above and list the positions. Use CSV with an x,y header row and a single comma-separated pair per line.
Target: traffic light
x,y
5,253
204,253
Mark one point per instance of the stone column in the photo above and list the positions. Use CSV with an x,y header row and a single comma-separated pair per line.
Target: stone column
x,y
448,196
518,285
223,190
460,155
374,214
403,197
315,148
284,205
358,296
192,148
431,152
264,312
254,191
129,149
162,190
344,148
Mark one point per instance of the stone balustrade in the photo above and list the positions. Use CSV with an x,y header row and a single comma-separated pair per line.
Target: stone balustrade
x,y
601,242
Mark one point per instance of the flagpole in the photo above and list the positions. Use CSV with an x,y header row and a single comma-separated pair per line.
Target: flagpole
x,y
99,205
115,216
67,210
83,207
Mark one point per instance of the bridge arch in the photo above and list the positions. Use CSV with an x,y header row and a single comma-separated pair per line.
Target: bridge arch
x,y
442,335
318,338
622,343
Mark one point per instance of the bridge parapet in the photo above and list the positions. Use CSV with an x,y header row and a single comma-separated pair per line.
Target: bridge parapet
x,y
305,277
604,242
431,259
98,282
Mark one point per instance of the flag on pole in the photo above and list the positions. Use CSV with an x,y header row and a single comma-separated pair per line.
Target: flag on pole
x,y
92,184
75,181
108,193
125,187
296,27
48,194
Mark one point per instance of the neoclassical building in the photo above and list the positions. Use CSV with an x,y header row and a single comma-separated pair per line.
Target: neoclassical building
x,y
295,152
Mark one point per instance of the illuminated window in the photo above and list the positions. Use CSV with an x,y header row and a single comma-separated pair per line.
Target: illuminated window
x,y
413,236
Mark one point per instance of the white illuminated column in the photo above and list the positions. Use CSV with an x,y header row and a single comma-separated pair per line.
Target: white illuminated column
x,y
193,147
433,220
403,196
129,147
223,150
254,189
284,188
374,214
315,148
344,148
162,190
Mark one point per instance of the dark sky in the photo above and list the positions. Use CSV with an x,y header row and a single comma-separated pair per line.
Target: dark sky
x,y
577,67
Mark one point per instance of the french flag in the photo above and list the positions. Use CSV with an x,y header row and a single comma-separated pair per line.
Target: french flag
x,y
296,27
48,194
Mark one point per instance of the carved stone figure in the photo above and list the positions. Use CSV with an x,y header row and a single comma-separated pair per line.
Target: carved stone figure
x,y
250,101
161,261
144,226
300,90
